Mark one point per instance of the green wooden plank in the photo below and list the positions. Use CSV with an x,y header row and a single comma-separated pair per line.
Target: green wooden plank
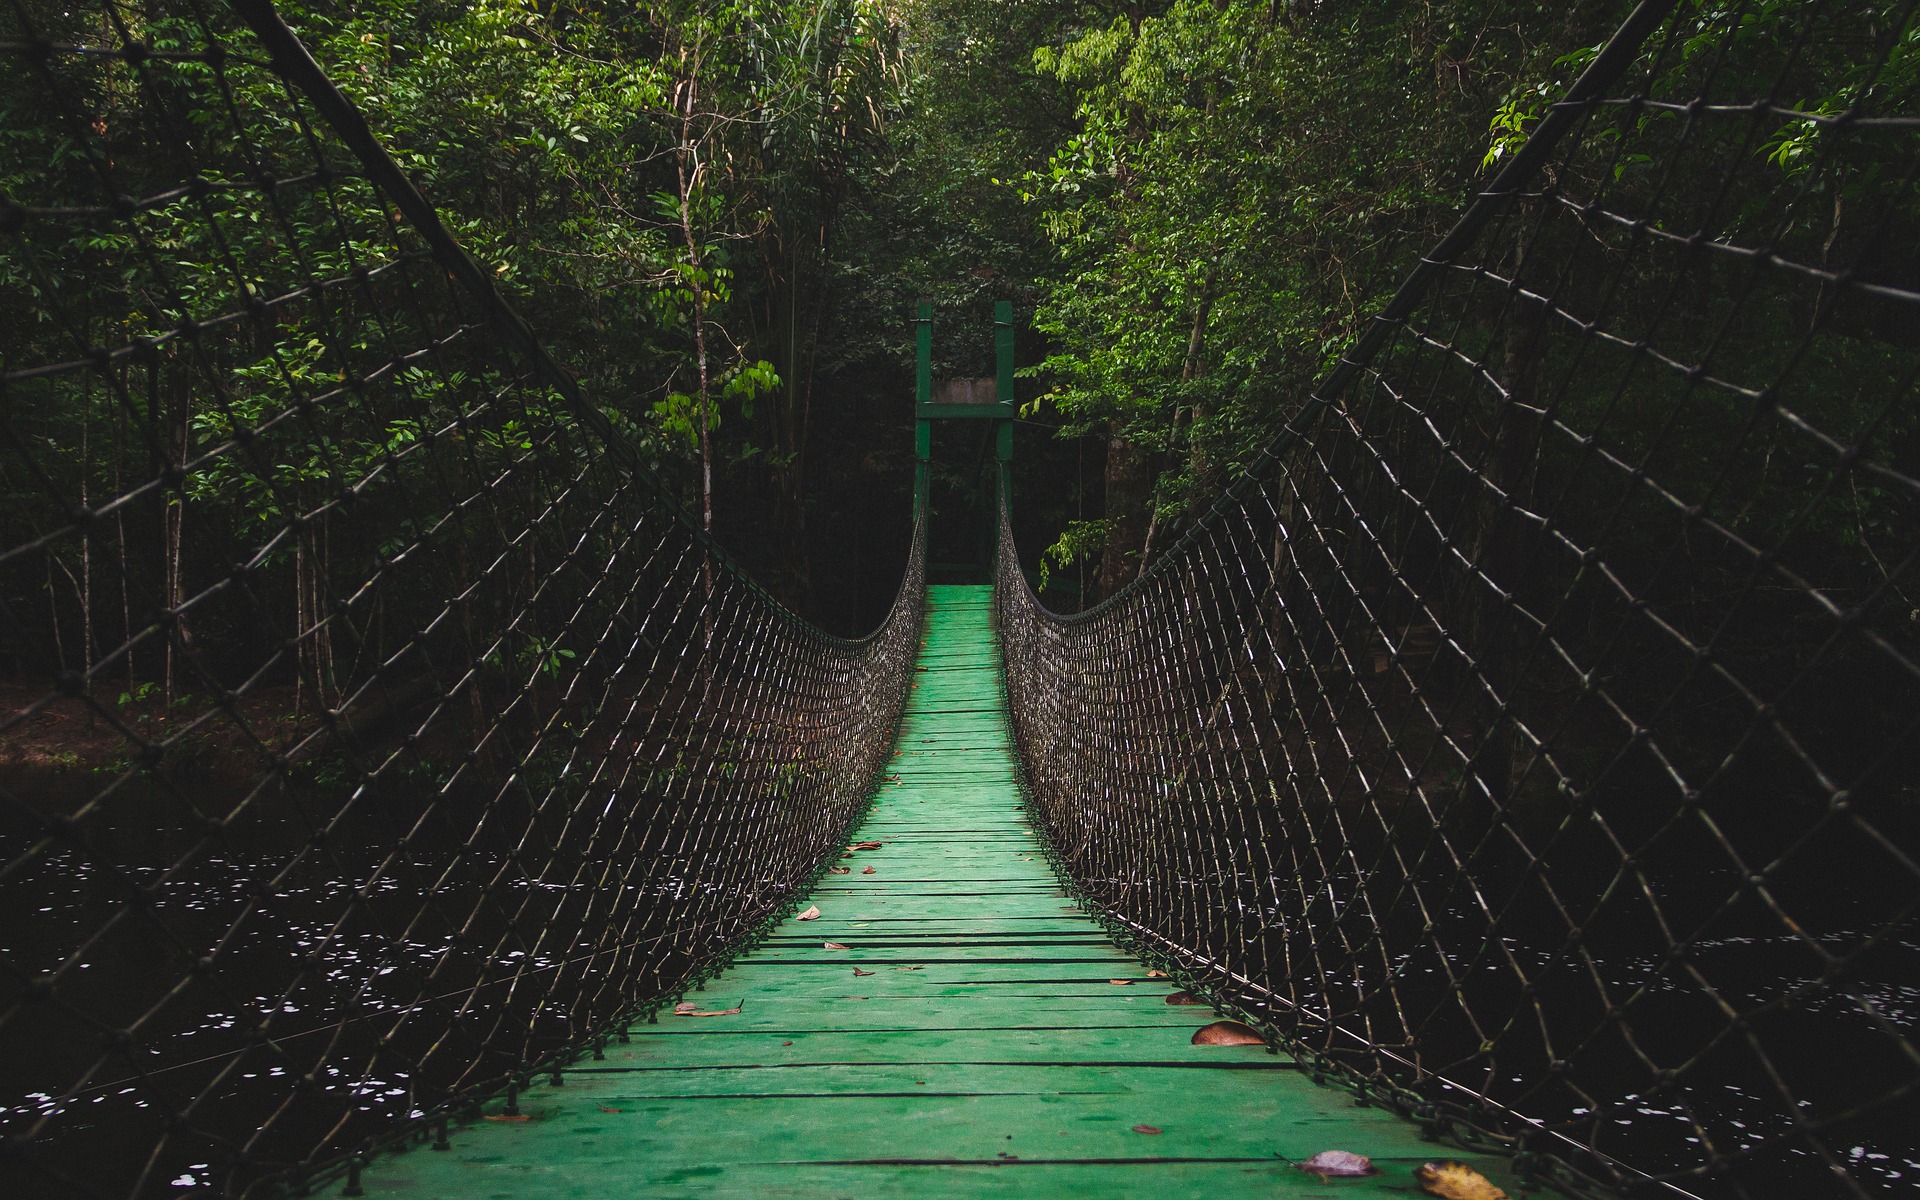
x,y
981,1051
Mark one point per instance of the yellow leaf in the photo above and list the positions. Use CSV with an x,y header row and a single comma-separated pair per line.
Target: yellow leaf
x,y
1452,1180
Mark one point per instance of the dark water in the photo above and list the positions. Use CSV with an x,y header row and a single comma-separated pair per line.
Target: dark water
x,y
361,991
1764,1094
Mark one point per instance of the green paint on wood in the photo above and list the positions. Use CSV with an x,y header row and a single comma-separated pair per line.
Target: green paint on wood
x,y
968,1042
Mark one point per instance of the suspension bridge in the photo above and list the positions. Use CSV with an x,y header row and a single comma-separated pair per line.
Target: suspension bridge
x,y
1508,781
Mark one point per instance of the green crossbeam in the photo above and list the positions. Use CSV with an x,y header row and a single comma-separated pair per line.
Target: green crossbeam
x,y
979,1036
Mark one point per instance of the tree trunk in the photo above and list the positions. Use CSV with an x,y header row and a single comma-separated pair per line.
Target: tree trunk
x,y
688,169
86,534
792,412
1199,463
1130,478
1501,539
179,435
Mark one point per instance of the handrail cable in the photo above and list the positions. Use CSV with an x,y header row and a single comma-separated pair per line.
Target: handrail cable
x,y
1526,740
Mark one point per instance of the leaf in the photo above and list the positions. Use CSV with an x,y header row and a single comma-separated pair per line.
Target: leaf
x,y
831,946
718,1012
1338,1164
1227,1033
1184,998
812,913
1452,1180
1147,1129
604,1108
866,845
685,1006
868,871
508,1117
841,870
1121,982
1156,974
858,971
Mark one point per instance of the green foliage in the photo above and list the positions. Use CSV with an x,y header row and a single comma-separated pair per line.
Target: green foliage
x,y
1080,540
1239,190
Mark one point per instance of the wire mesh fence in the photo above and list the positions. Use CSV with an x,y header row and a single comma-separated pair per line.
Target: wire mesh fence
x,y
1530,740
374,732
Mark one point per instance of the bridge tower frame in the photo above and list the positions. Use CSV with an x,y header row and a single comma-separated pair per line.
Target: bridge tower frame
x,y
1001,411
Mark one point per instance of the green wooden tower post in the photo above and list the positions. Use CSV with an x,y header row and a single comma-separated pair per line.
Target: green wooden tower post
x,y
962,400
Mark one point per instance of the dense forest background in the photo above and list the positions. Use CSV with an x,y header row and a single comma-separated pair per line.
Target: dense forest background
x,y
720,215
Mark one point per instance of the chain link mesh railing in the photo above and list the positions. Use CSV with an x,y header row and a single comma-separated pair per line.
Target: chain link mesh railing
x,y
1530,741
374,732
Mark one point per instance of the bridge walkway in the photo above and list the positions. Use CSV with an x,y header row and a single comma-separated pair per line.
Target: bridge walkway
x,y
977,1036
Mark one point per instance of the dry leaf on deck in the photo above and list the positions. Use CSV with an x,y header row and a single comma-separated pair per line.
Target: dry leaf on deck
x,y
1339,1164
1156,974
831,946
812,913
703,1012
841,870
1121,982
1183,998
866,845
867,871
858,971
1452,1180
505,1117
685,1006
1227,1033
1146,1129
604,1108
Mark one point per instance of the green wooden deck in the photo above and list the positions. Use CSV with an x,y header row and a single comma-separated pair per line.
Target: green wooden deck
x,y
979,1036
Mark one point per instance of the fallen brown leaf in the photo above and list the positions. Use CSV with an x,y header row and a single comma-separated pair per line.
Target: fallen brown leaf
x,y
812,913
685,1006
1183,998
604,1108
1156,974
786,1043
505,1117
1121,982
858,971
1339,1164
1147,1129
702,1012
1452,1180
831,946
841,870
1227,1033
866,845
867,871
